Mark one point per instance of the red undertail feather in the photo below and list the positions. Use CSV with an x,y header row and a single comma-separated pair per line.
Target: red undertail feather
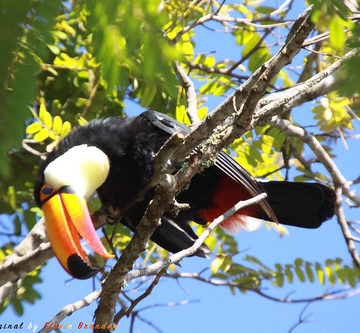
x,y
227,193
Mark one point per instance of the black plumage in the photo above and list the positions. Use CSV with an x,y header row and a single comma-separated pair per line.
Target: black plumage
x,y
131,144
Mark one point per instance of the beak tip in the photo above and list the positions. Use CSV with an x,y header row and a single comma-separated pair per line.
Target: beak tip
x,y
79,269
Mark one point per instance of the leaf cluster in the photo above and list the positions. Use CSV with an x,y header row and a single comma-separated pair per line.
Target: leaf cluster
x,y
252,273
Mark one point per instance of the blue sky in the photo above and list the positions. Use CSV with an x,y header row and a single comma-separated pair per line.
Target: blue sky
x,y
213,309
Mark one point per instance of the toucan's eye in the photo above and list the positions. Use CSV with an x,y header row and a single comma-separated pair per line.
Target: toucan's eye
x,y
46,192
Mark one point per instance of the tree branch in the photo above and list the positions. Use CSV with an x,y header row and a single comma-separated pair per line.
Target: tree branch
x,y
243,101
126,312
190,93
199,21
344,226
68,310
175,258
334,295
34,250
157,269
320,84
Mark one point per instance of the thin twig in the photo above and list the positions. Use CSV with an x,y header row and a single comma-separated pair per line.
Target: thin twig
x,y
175,258
344,226
190,93
302,319
141,297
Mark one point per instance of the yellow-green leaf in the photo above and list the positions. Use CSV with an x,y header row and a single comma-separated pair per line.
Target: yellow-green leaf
x,y
320,273
82,121
215,265
52,135
65,129
227,262
12,197
211,242
45,116
42,135
57,124
33,128
340,273
337,32
210,61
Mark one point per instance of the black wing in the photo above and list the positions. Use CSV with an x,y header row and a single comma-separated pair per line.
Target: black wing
x,y
223,162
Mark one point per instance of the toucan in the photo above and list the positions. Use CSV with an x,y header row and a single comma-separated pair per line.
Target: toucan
x,y
114,157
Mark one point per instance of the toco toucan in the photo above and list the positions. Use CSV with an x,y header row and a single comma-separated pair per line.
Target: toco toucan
x,y
114,157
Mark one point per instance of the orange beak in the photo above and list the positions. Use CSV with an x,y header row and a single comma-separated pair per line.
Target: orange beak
x,y
67,219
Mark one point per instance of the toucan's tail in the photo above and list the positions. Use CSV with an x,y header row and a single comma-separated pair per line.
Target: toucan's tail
x,y
304,205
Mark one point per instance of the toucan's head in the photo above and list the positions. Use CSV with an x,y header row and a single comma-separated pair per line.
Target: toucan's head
x,y
68,180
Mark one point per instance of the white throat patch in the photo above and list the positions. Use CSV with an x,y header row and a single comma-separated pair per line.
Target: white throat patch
x,y
83,167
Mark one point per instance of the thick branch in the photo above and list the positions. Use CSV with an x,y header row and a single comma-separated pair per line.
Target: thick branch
x,y
320,84
155,269
33,251
119,276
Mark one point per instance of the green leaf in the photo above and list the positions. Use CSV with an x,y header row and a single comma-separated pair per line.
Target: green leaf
x,y
356,271
350,275
17,306
300,274
253,260
340,273
148,95
330,273
258,58
289,274
309,272
264,9
299,262
279,275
